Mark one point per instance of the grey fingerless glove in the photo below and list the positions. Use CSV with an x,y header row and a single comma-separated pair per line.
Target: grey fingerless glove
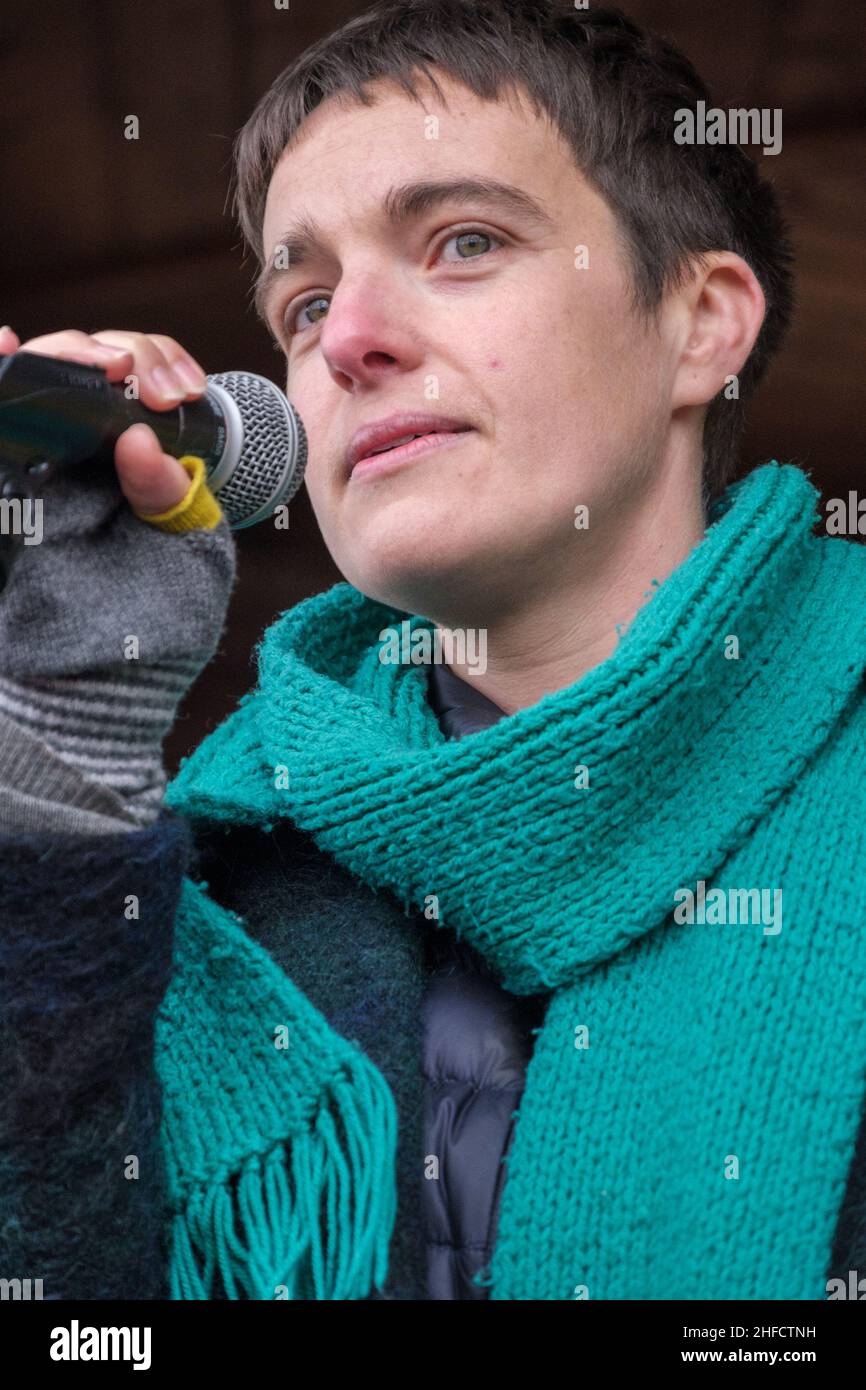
x,y
103,627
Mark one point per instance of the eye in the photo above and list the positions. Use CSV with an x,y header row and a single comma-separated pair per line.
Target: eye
x,y
291,318
472,235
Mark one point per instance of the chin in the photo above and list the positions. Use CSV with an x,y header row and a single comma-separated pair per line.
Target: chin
x,y
397,559
430,584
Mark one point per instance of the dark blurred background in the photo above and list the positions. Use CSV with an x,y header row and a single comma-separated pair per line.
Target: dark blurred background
x,y
102,232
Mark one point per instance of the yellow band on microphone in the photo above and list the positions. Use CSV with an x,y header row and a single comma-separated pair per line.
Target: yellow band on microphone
x,y
197,509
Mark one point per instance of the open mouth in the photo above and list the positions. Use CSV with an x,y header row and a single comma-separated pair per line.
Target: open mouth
x,y
395,444
407,447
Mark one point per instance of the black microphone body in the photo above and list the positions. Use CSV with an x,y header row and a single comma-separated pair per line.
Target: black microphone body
x,y
58,412
55,414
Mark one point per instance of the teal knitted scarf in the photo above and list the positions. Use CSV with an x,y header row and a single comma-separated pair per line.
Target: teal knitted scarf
x,y
693,1098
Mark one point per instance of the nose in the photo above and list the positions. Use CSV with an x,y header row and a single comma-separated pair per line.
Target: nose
x,y
366,333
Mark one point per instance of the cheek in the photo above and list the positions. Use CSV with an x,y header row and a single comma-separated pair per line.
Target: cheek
x,y
323,445
318,493
602,372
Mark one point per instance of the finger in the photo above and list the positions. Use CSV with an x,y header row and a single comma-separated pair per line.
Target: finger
x,y
9,340
74,346
158,385
182,362
151,481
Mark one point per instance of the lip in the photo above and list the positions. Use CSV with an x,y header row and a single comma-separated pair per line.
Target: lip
x,y
381,432
395,458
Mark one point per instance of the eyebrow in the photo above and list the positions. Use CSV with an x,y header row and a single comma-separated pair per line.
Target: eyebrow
x,y
403,203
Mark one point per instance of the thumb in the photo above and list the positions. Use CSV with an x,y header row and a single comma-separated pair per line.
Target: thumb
x,y
151,481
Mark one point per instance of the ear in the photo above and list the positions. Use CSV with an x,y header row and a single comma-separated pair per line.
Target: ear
x,y
723,308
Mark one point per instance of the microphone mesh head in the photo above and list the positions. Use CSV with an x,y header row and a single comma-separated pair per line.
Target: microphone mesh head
x,y
269,467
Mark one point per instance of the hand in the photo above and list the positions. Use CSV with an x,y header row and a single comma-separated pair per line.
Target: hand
x,y
151,481
106,622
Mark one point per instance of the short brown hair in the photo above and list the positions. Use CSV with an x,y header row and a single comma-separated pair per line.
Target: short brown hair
x,y
612,90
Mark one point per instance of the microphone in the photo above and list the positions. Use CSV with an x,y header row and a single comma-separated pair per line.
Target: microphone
x,y
55,413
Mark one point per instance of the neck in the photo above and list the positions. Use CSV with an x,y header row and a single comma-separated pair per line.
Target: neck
x,y
558,628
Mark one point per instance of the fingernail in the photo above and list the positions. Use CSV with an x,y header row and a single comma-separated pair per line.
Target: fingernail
x,y
195,381
167,384
142,425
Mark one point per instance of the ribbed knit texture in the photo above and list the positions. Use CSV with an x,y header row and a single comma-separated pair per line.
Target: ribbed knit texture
x,y
92,709
108,725
272,1121
708,1043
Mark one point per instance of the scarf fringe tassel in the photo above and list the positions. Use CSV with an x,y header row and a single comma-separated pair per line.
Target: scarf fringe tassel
x,y
317,1211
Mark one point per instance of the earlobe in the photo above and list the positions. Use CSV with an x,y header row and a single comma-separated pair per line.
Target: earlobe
x,y
726,308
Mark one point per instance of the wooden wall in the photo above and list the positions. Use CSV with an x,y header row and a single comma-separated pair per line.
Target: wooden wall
x,y
98,231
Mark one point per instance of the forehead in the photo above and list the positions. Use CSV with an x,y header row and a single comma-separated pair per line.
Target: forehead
x,y
346,155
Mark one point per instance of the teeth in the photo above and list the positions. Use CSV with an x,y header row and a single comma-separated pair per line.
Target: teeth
x,y
395,443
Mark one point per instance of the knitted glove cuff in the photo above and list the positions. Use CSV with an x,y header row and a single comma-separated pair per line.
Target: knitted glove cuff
x,y
109,725
95,736
41,793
